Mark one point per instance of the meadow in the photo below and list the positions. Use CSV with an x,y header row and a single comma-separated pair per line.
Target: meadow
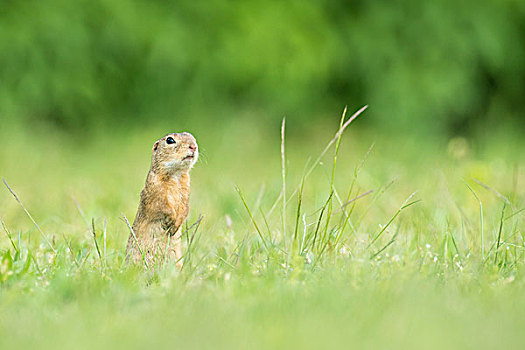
x,y
381,240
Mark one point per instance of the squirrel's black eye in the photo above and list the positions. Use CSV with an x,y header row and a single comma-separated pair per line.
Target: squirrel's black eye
x,y
170,140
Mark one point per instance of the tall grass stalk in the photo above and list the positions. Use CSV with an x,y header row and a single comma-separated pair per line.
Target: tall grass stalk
x,y
252,218
192,241
136,241
326,236
499,232
297,218
383,228
480,221
105,242
283,176
94,232
8,233
321,155
30,217
319,221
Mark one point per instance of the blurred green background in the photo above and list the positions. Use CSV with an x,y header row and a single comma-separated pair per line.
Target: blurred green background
x,y
87,86
442,68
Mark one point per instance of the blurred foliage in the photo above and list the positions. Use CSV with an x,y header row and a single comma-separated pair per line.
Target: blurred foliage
x,y
439,66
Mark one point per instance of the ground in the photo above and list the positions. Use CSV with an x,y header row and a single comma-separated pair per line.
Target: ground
x,y
402,243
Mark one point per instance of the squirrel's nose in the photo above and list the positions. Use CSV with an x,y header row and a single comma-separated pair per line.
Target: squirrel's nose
x,y
193,147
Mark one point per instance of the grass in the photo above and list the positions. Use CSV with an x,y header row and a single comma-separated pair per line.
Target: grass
x,y
324,241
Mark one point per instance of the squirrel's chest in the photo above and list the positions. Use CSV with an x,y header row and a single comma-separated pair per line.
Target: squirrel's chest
x,y
177,200
174,201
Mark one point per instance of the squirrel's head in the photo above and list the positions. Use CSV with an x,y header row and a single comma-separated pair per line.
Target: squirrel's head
x,y
175,153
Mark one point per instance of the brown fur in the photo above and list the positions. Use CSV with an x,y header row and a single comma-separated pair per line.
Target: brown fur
x,y
164,202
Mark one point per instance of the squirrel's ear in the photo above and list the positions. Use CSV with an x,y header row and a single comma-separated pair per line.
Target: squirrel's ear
x,y
156,145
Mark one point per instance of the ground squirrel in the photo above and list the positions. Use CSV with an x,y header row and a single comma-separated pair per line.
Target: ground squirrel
x,y
164,202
